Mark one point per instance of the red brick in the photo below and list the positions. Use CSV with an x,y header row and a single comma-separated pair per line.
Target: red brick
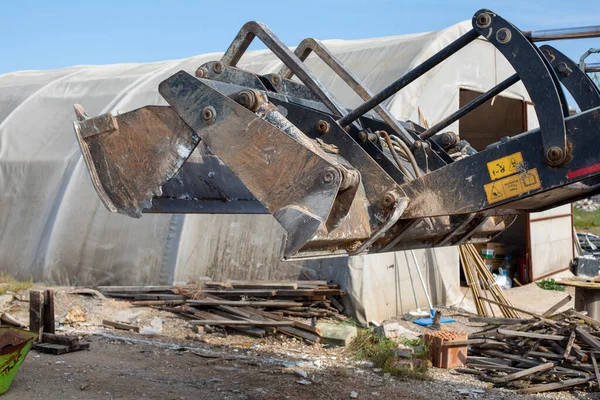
x,y
446,356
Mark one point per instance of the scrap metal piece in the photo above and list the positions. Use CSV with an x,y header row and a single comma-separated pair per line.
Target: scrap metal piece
x,y
130,156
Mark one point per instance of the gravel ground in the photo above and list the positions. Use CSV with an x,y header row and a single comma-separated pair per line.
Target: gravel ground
x,y
131,366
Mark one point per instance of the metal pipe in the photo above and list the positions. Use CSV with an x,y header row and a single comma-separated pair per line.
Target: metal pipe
x,y
592,67
412,252
563,33
586,55
473,104
409,77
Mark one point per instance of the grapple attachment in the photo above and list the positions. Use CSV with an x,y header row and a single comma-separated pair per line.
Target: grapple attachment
x,y
346,181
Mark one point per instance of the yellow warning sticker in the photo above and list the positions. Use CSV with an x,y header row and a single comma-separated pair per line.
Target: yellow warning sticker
x,y
505,166
512,186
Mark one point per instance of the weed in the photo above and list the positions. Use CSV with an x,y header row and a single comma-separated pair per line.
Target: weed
x,y
382,353
550,284
10,284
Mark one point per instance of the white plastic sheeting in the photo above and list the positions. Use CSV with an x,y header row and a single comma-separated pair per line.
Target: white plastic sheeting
x,y
55,229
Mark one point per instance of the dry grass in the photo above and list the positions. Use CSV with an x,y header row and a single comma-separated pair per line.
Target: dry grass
x,y
10,284
382,352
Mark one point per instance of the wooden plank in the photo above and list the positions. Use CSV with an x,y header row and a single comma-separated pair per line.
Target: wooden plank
x,y
557,306
334,302
120,325
137,289
263,284
36,313
241,303
547,356
236,316
500,321
532,335
523,373
146,296
59,339
57,349
587,338
567,351
511,307
231,322
554,386
511,357
587,319
297,324
241,292
488,360
494,367
251,331
48,323
595,364
466,342
150,303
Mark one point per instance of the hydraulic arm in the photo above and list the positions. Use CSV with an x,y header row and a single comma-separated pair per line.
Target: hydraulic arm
x,y
345,181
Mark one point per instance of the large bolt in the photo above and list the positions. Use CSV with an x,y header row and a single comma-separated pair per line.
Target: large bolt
x,y
208,115
328,176
202,72
554,155
218,67
389,199
247,98
483,20
362,136
503,35
276,79
322,127
564,69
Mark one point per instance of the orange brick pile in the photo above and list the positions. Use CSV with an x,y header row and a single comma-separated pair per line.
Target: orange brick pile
x,y
446,356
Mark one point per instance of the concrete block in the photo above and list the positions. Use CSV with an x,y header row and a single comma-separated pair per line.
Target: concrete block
x,y
337,334
394,330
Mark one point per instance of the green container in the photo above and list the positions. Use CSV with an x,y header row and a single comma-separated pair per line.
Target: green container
x,y
14,346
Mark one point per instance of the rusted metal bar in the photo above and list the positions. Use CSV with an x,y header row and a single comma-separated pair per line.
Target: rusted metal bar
x,y
310,45
253,29
409,77
473,104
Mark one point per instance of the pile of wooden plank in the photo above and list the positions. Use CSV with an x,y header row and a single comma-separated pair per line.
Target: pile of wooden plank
x,y
255,308
538,354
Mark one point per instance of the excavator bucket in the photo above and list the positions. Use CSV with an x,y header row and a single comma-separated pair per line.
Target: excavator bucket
x,y
346,182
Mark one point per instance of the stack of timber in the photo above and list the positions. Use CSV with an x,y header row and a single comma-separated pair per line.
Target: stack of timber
x,y
255,308
538,354
483,285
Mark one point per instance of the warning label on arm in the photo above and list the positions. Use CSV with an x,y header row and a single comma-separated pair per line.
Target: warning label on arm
x,y
512,186
505,166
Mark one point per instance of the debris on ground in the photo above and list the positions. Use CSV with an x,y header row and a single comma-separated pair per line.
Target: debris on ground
x,y
74,315
255,308
393,330
537,354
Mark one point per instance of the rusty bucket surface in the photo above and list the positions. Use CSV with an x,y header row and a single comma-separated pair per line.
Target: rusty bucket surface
x,y
14,346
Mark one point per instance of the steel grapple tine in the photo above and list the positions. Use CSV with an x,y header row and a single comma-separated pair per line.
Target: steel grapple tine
x,y
130,156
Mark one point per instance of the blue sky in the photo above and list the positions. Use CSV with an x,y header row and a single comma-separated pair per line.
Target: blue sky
x,y
54,34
